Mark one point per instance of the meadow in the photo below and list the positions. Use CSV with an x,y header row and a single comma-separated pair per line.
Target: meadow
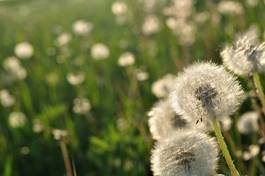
x,y
78,78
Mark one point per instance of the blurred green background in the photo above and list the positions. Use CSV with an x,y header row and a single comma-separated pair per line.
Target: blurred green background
x,y
111,137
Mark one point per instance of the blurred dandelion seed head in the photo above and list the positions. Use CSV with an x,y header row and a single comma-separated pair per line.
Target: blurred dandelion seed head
x,y
248,123
81,106
163,120
126,59
6,98
163,86
75,78
151,25
119,8
141,75
63,39
13,66
230,8
38,126
205,90
17,119
185,153
82,27
59,134
24,50
99,51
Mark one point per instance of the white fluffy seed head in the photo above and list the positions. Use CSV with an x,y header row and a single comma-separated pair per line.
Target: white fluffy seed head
x,y
248,123
205,90
245,56
185,153
163,120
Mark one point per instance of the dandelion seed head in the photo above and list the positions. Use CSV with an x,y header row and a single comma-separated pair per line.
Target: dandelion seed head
x,y
38,126
205,90
13,66
141,75
163,86
119,8
17,119
185,153
252,3
24,150
59,134
82,27
163,120
24,50
81,106
226,123
75,78
248,123
254,150
63,39
151,25
230,8
6,98
126,59
244,57
99,51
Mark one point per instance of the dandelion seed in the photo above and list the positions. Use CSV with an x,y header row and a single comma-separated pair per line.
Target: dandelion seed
x,y
230,8
126,59
75,78
162,87
248,123
82,27
204,91
81,106
6,98
163,120
24,50
185,153
150,25
17,119
99,51
244,57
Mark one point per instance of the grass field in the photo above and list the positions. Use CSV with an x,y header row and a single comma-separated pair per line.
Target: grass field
x,y
95,107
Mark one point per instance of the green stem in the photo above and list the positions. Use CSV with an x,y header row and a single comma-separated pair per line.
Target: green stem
x,y
67,162
223,148
258,86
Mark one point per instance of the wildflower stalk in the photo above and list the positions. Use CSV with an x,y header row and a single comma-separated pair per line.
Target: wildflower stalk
x,y
67,162
223,148
258,86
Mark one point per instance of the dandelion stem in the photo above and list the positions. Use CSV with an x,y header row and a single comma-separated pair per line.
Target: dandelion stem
x,y
223,148
258,86
66,158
